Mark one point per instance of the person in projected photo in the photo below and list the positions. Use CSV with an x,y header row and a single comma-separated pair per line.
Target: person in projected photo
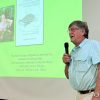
x,y
5,25
82,65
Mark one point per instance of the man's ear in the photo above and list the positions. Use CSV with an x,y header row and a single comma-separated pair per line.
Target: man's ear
x,y
83,32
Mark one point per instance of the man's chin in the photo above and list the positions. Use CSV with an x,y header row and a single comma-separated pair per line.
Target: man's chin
x,y
72,40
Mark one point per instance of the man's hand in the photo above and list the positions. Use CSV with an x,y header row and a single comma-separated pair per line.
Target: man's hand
x,y
95,98
66,58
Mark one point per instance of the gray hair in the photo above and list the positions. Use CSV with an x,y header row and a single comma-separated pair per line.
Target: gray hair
x,y
82,25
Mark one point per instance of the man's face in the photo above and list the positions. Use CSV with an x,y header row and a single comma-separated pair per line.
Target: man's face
x,y
76,34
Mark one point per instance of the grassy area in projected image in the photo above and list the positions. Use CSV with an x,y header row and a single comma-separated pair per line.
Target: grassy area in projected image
x,y
32,36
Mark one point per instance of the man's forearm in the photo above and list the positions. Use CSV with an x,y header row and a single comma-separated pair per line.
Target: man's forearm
x,y
66,71
97,89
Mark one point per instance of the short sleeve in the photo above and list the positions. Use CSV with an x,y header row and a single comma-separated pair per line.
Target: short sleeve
x,y
95,52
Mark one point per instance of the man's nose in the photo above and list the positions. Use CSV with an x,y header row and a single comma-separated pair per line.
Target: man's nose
x,y
71,32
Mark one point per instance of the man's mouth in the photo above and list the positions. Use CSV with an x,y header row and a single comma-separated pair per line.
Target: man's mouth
x,y
71,36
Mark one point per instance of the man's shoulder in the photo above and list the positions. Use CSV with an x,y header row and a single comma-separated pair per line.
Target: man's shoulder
x,y
94,44
90,41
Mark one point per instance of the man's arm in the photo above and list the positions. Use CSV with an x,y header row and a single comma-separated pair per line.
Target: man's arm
x,y
66,59
66,71
97,89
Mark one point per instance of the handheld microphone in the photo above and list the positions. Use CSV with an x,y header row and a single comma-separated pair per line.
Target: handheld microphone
x,y
66,45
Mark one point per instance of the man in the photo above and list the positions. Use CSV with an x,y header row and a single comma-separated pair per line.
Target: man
x,y
82,65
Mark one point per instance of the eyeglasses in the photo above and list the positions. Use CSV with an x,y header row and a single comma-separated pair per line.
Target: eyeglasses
x,y
73,29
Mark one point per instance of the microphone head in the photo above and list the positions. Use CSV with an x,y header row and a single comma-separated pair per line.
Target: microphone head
x,y
66,45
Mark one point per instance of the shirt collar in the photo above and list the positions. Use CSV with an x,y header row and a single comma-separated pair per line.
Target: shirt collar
x,y
81,44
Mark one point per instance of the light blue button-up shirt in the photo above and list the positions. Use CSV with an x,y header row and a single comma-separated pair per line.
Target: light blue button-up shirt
x,y
83,66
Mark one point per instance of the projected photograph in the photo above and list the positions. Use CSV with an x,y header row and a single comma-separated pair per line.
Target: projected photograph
x,y
29,22
7,23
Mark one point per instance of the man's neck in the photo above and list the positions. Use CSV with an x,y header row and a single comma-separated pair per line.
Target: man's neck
x,y
79,42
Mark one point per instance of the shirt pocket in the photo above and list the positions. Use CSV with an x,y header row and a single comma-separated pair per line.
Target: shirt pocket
x,y
81,63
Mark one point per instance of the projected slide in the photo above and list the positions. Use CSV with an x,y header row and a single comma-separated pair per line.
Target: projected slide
x,y
29,22
32,36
